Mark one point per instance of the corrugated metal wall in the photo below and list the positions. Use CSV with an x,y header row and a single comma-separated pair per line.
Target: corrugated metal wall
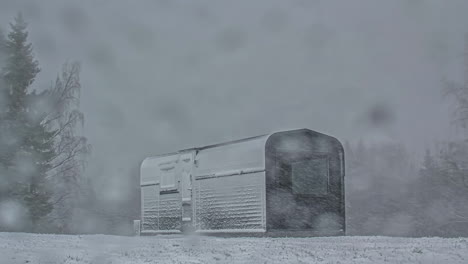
x,y
150,207
230,203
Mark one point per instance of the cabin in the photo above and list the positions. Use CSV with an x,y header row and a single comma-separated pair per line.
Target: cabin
x,y
282,184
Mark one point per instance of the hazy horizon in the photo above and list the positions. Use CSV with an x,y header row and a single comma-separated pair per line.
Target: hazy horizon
x,y
158,76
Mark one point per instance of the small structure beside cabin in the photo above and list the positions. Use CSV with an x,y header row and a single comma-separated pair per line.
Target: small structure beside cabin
x,y
284,183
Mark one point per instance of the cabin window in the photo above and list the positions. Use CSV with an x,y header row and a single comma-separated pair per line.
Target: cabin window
x,y
310,176
168,181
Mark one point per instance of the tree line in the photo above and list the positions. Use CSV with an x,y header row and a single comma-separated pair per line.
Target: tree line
x,y
42,151
43,156
390,193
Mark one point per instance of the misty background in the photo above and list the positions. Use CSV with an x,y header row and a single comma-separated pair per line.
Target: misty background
x,y
158,76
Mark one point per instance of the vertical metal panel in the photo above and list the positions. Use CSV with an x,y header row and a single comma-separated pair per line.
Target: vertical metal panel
x,y
160,212
150,207
170,211
264,201
149,182
136,227
184,168
170,200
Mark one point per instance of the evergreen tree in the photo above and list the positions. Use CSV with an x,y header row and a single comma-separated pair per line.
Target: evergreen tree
x,y
2,48
28,145
21,68
441,191
3,109
378,196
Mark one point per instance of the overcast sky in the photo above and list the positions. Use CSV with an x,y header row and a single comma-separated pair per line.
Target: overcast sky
x,y
158,76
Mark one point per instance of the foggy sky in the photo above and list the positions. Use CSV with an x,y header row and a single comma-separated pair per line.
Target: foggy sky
x,y
158,76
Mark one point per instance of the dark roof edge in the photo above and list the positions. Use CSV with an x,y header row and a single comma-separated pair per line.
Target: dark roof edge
x,y
225,143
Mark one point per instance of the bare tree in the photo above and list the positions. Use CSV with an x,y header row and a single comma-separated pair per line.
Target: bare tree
x,y
71,148
459,92
454,156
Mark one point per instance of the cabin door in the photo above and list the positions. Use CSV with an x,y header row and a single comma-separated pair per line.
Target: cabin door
x,y
185,168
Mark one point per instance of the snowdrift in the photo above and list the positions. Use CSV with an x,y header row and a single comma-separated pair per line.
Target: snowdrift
x,y
101,249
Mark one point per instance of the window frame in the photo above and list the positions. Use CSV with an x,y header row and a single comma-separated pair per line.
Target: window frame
x,y
168,181
323,158
285,180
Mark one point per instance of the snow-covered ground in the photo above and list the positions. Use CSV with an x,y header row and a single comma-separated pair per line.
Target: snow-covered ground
x,y
101,249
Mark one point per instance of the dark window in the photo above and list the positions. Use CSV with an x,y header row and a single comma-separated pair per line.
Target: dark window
x,y
310,176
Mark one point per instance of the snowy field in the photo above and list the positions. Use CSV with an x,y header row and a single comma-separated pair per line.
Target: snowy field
x,y
101,249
